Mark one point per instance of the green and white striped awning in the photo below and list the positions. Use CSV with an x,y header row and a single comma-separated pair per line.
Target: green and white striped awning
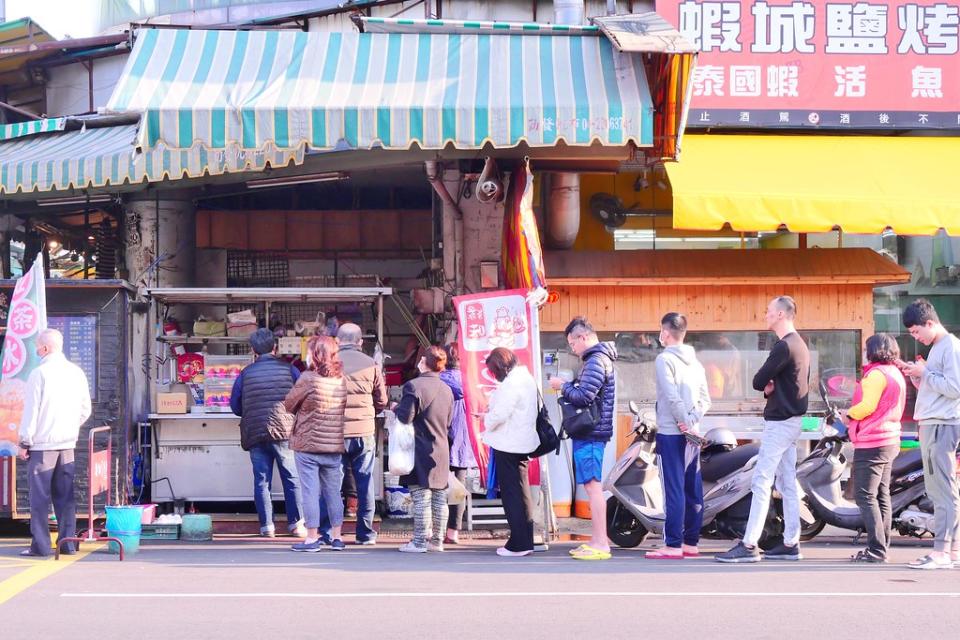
x,y
414,25
107,156
268,90
19,129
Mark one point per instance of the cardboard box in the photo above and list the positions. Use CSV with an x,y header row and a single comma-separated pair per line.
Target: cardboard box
x,y
173,402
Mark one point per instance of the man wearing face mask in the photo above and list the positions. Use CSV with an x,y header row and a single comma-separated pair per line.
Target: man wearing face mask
x,y
57,404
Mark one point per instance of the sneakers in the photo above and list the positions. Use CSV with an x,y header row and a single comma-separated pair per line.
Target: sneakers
x,y
931,562
308,547
506,553
784,552
298,530
435,546
270,532
867,557
337,545
739,554
367,543
411,548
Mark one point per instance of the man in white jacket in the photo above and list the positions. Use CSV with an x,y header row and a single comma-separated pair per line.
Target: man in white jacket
x,y
57,404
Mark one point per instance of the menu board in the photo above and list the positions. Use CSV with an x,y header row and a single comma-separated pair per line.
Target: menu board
x,y
79,343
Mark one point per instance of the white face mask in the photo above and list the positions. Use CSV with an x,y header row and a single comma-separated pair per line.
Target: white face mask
x,y
422,365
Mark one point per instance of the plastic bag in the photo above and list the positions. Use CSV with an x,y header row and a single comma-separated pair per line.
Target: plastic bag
x,y
456,491
400,446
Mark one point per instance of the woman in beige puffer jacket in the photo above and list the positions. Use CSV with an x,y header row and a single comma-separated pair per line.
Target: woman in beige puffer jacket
x,y
318,401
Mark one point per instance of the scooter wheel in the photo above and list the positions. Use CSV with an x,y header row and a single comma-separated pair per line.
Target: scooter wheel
x,y
810,530
623,528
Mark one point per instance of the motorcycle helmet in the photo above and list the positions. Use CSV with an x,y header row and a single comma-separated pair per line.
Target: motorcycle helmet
x,y
720,440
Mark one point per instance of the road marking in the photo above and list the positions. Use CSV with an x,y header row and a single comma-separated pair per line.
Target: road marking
x,y
534,594
39,570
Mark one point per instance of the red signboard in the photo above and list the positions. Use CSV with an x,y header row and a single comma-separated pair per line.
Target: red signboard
x,y
488,321
99,472
822,63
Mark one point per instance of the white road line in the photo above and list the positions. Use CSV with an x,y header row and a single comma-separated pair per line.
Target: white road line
x,y
535,594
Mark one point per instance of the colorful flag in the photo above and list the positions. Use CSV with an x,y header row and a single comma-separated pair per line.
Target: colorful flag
x,y
487,321
522,255
26,318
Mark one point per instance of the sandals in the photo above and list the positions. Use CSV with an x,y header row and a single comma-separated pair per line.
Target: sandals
x,y
577,550
929,562
658,554
586,552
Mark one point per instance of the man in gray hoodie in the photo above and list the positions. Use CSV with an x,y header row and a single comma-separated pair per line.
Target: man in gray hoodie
x,y
938,413
682,401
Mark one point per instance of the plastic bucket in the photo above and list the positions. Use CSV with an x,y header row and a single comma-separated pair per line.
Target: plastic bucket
x,y
124,524
196,527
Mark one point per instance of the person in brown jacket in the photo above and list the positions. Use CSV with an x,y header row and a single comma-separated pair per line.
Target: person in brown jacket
x,y
318,401
427,403
366,397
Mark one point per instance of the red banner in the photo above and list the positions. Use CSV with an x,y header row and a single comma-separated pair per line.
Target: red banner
x,y
99,472
488,321
822,63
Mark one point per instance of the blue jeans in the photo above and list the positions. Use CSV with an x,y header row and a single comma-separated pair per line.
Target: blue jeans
x,y
360,456
321,475
262,457
679,463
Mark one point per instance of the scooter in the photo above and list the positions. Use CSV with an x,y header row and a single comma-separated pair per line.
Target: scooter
x,y
636,507
819,476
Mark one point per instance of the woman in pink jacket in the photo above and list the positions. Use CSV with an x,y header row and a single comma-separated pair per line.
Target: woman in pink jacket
x,y
873,423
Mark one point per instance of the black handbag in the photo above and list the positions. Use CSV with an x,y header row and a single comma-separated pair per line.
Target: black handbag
x,y
549,438
576,421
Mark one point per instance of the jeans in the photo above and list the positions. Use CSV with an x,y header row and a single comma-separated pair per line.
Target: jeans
x,y
359,457
50,480
679,463
871,479
938,444
262,457
777,459
515,493
321,475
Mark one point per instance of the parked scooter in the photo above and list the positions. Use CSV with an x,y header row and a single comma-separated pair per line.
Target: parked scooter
x,y
636,507
819,476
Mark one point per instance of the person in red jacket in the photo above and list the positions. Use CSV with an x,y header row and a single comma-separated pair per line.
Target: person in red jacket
x,y
873,424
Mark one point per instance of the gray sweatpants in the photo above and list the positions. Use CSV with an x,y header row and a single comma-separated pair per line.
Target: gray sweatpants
x,y
938,444
50,479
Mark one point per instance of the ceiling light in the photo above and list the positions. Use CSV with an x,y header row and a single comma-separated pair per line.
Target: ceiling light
x,y
301,179
56,202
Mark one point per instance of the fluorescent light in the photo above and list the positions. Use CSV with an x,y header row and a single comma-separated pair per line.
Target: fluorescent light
x,y
292,180
56,202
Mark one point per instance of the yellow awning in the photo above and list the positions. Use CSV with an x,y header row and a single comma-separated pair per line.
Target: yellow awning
x,y
815,183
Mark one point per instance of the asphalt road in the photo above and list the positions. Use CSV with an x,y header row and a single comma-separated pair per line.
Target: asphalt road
x,y
240,588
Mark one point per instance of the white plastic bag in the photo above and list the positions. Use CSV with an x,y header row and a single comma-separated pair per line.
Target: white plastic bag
x,y
456,491
400,441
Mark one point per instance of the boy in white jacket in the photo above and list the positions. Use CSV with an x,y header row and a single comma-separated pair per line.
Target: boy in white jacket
x,y
57,404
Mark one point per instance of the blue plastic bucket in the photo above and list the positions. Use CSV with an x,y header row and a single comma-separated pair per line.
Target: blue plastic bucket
x,y
124,524
196,527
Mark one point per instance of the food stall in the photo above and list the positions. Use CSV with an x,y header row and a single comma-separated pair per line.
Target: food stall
x,y
194,438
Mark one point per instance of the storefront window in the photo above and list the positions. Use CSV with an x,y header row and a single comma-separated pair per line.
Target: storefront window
x,y
730,358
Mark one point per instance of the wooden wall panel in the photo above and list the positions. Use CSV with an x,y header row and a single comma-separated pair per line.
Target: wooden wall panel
x,y
709,308
340,230
268,230
228,230
304,231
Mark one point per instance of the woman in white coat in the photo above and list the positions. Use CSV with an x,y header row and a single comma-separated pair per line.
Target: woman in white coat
x,y
510,430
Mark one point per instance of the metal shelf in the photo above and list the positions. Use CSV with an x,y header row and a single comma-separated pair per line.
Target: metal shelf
x,y
202,340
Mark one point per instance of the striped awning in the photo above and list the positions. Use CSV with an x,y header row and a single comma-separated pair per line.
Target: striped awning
x,y
267,90
107,156
20,129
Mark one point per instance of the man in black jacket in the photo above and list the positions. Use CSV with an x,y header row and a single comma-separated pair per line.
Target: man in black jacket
x,y
257,397
596,384
784,380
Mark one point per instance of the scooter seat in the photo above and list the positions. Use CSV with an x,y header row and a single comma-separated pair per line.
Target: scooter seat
x,y
907,462
714,466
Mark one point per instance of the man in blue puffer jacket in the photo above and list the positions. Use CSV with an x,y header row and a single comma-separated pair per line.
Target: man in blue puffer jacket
x,y
596,383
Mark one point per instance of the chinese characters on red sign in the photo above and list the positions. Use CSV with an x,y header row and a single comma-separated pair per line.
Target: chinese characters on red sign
x,y
487,321
818,63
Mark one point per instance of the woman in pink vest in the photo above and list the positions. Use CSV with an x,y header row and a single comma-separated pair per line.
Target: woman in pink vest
x,y
873,423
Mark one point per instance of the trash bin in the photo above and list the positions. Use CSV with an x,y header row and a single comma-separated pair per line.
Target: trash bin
x,y
125,524
196,527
